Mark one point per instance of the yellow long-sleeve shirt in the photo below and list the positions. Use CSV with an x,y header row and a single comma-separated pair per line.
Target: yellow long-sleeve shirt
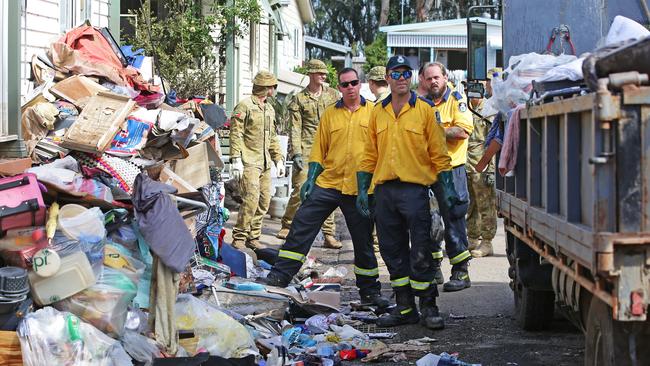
x,y
410,147
339,144
454,112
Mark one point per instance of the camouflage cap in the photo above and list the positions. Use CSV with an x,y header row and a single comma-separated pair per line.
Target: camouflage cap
x,y
314,66
265,78
494,72
377,73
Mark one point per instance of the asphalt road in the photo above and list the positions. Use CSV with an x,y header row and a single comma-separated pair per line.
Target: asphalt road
x,y
480,323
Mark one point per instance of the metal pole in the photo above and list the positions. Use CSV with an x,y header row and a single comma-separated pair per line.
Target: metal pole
x,y
402,4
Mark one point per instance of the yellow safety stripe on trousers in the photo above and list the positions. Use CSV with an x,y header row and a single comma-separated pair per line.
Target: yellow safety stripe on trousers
x,y
417,285
366,272
399,282
406,311
292,255
437,255
459,258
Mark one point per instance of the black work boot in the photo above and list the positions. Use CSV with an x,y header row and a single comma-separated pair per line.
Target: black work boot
x,y
438,276
459,279
375,299
404,312
273,279
430,316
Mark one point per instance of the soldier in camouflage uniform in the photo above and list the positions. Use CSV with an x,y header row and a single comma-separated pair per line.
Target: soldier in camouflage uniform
x,y
377,83
482,213
254,146
306,110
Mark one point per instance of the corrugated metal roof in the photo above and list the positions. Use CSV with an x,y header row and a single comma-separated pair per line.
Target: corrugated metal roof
x,y
327,44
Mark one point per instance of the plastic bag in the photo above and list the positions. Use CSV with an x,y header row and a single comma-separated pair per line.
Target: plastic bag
x,y
120,259
54,338
139,347
105,304
87,226
218,333
65,246
521,71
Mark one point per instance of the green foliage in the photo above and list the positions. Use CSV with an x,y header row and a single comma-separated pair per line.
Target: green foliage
x,y
187,56
332,78
281,106
376,53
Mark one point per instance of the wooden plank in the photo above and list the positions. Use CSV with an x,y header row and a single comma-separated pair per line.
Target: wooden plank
x,y
576,104
10,352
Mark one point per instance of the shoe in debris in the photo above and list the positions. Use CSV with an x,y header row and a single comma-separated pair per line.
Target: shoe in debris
x,y
483,250
273,280
283,233
331,242
239,244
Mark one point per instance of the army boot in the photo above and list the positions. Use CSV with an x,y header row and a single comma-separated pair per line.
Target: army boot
x,y
473,243
239,244
404,312
282,234
430,316
483,250
331,242
255,244
459,279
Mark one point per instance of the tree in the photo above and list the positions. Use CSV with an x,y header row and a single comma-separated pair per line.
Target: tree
x,y
183,44
376,53
423,10
385,10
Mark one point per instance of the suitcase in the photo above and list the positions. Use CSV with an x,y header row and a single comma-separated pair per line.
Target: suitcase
x,y
21,202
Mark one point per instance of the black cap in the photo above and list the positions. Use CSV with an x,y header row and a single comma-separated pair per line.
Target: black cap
x,y
398,61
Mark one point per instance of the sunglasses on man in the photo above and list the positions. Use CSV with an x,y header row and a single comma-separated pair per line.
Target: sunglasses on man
x,y
395,75
345,84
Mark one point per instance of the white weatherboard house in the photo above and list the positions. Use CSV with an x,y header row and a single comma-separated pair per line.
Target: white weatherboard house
x,y
444,41
27,27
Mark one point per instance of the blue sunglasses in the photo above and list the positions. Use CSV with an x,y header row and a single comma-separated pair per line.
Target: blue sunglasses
x,y
395,75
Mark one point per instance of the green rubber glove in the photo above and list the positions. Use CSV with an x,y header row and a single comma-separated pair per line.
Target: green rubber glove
x,y
363,184
450,195
314,171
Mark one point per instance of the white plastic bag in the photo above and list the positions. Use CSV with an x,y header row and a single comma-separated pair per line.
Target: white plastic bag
x,y
54,338
218,333
521,71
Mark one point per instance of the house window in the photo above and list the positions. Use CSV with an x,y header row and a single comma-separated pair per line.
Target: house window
x,y
296,43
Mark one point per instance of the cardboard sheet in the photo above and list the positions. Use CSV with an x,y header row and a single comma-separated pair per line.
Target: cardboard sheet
x,y
98,123
195,169
77,89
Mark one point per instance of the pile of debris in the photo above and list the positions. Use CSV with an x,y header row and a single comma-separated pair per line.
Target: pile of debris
x,y
111,245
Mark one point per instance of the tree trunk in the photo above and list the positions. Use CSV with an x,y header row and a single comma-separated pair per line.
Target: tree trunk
x,y
423,10
383,16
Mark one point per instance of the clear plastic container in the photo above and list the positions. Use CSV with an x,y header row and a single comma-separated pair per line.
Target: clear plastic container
x,y
74,275
78,222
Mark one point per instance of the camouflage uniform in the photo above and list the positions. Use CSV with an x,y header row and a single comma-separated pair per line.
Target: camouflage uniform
x,y
378,73
305,112
253,138
482,214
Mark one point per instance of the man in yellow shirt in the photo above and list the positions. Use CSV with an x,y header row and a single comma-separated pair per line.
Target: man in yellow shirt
x,y
331,183
404,155
458,124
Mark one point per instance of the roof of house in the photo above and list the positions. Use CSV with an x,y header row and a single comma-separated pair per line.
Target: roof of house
x,y
337,47
436,24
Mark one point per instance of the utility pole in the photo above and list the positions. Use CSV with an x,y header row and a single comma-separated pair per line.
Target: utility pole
x,y
402,4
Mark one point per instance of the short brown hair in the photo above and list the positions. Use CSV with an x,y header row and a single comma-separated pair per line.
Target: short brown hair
x,y
427,65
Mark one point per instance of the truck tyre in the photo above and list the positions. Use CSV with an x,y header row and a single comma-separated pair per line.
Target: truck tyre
x,y
609,342
533,308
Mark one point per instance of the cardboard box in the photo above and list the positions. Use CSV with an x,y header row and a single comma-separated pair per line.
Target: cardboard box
x,y
194,169
77,89
98,123
10,167
167,176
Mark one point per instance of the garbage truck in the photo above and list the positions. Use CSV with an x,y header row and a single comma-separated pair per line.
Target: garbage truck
x,y
576,206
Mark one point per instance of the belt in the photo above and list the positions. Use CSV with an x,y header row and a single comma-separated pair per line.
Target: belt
x,y
457,166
